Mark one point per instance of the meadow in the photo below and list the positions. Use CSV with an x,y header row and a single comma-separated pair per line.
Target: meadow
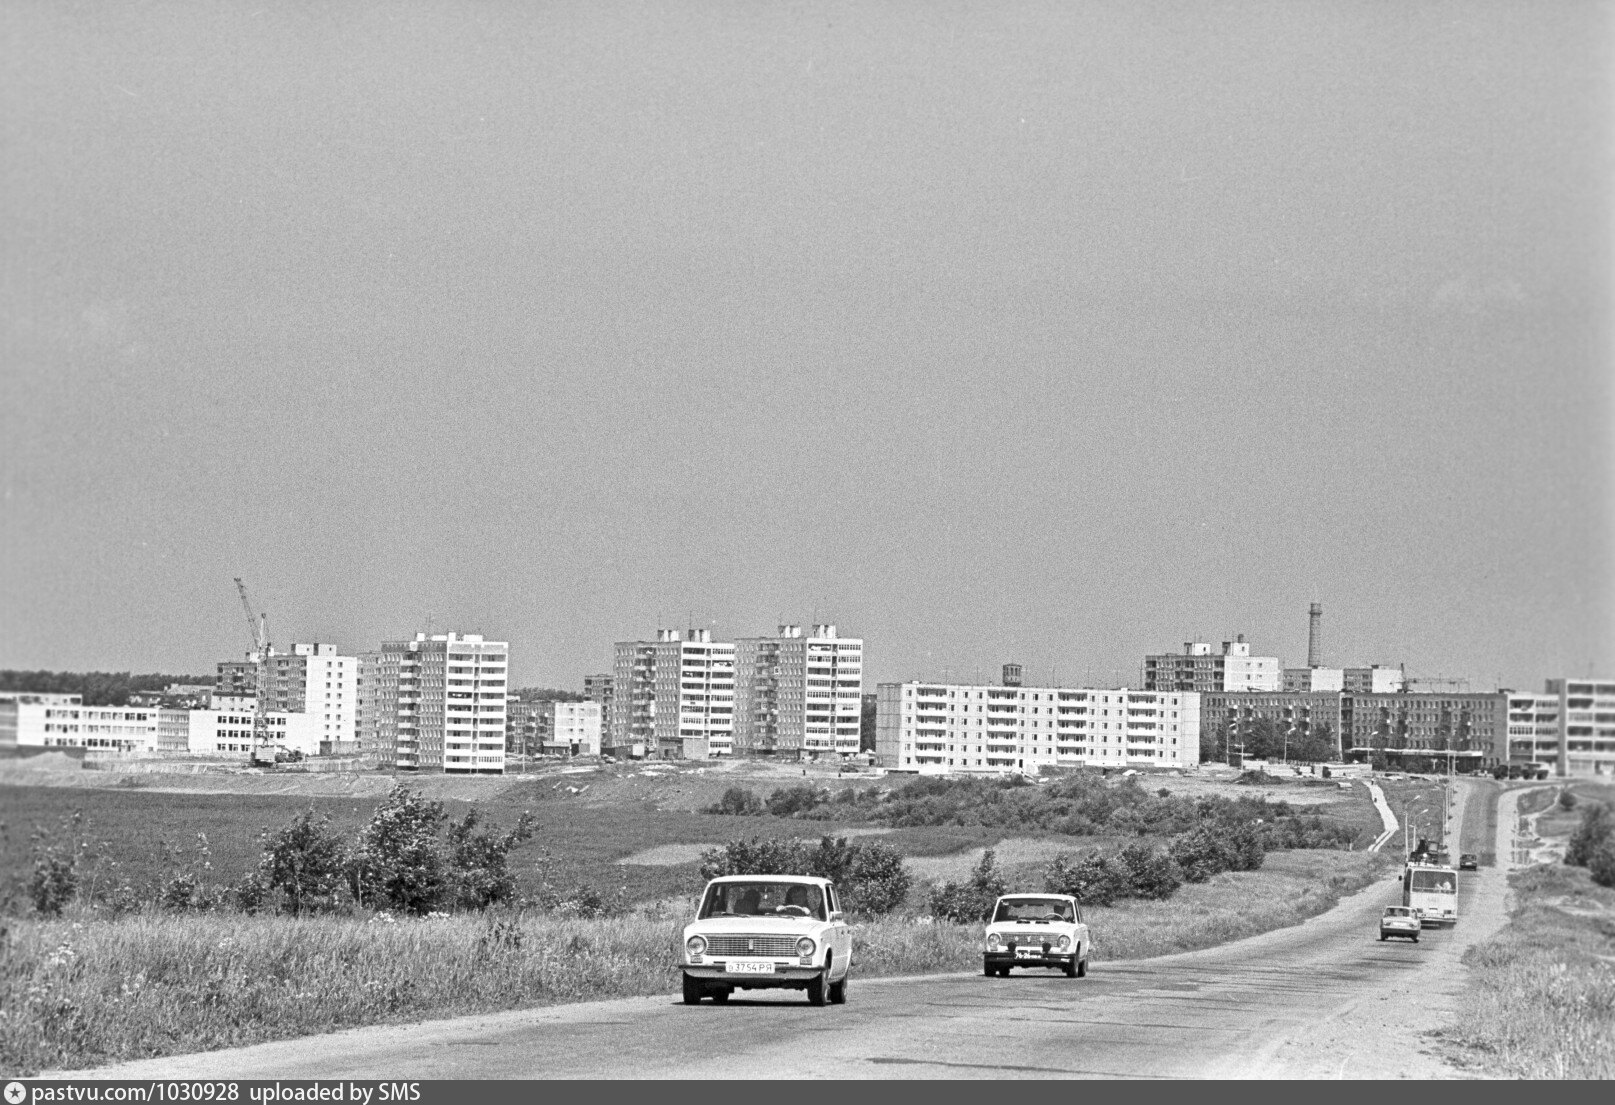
x,y
87,990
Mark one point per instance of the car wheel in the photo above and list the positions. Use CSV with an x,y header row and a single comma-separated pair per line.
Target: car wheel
x,y
1382,936
1071,968
692,990
989,970
815,988
1003,972
838,990
720,994
1415,939
1082,967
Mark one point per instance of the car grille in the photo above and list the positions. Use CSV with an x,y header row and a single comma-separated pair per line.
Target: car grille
x,y
783,947
1031,938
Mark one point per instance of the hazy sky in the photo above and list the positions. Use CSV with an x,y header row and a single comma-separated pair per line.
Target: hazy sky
x,y
1056,333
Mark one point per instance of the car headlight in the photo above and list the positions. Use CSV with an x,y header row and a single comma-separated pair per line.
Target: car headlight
x,y
1065,942
695,945
805,946
992,940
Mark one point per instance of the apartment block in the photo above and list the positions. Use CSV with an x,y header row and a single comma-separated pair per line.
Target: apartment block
x,y
315,679
674,693
1298,713
569,728
599,689
1570,724
435,703
1469,729
950,728
63,721
798,694
1202,671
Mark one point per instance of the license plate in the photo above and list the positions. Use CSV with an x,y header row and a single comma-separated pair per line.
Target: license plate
x,y
1028,953
749,967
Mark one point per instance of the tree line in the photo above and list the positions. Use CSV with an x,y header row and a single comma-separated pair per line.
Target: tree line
x,y
99,688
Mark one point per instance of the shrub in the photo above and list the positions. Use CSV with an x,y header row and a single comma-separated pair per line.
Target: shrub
x,y
1601,865
1150,874
973,901
1093,880
737,802
1596,833
478,862
795,801
397,865
54,881
1567,801
305,862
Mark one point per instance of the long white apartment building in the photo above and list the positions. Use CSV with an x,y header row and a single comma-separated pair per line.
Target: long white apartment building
x,y
945,728
63,721
798,694
435,703
674,696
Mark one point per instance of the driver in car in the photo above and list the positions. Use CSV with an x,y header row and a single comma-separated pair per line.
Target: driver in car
x,y
803,898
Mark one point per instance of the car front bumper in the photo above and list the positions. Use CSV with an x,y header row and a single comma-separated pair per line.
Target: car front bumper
x,y
1041,958
783,977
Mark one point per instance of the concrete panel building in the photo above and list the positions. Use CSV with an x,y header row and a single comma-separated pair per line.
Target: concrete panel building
x,y
1197,668
569,728
435,703
1470,730
599,689
950,728
315,679
1370,680
674,689
1570,725
798,695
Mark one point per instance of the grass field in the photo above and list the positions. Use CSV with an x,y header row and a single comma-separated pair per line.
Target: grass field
x,y
1541,995
86,993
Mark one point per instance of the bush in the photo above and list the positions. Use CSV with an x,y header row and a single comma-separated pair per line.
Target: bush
x,y
871,878
1601,865
1595,834
1204,852
54,881
397,865
305,862
479,862
1150,875
1093,880
795,801
1567,801
737,802
973,901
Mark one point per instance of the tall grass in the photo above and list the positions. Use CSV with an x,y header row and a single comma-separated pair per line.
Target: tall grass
x,y
1541,999
80,993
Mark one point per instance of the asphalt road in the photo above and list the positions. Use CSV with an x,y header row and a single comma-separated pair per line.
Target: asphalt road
x,y
1325,999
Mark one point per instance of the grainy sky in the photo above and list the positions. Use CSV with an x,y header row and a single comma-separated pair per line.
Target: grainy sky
x,y
1048,332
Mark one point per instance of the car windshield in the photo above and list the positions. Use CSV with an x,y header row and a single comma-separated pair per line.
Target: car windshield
x,y
763,899
1033,909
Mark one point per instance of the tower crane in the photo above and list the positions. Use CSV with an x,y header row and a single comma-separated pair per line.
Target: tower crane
x,y
258,628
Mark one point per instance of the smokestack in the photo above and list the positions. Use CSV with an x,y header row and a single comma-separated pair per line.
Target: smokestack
x,y
1315,636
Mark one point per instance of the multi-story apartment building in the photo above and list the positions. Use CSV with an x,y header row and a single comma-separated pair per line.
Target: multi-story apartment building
x,y
1570,724
599,689
1296,714
1200,670
435,703
1370,680
315,679
571,728
521,727
798,695
237,677
1470,730
943,728
674,695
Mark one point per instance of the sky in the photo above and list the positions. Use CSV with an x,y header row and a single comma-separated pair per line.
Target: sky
x,y
1053,333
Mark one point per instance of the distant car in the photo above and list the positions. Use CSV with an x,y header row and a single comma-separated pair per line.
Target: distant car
x,y
1036,930
1468,862
767,932
1399,920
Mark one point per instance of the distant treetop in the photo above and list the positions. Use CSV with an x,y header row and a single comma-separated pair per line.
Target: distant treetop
x,y
99,688
547,694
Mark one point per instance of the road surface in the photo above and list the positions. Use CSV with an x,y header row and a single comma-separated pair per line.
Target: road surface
x,y
1325,999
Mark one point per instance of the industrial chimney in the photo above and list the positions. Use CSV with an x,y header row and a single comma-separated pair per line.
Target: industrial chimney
x,y
1315,636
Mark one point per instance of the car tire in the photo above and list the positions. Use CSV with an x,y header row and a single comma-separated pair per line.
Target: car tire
x,y
1003,972
1071,968
1382,937
1415,939
989,970
816,988
692,990
720,995
838,990
1082,967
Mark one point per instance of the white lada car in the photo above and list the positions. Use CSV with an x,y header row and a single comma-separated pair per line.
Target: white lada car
x,y
767,932
1036,930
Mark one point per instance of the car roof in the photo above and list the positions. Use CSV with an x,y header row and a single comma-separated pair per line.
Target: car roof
x,y
772,878
1040,897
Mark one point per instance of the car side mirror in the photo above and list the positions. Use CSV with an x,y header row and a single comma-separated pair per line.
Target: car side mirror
x,y
837,915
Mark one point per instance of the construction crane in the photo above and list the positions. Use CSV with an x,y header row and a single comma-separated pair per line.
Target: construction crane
x,y
258,628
